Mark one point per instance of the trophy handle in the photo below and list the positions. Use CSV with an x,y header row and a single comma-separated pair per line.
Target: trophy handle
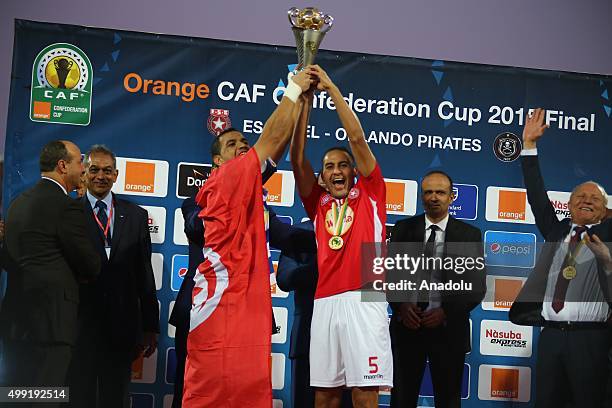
x,y
329,21
293,13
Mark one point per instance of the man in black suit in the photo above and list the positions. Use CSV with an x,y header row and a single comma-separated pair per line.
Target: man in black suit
x,y
47,254
568,292
121,320
194,230
297,272
437,326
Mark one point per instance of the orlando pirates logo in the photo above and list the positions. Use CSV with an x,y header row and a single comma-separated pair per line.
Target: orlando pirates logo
x,y
507,147
218,121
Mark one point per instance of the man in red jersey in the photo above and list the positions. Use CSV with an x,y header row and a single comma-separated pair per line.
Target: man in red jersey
x,y
228,362
350,345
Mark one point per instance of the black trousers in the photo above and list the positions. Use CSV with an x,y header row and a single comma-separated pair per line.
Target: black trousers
x,y
411,349
572,368
99,375
35,364
180,348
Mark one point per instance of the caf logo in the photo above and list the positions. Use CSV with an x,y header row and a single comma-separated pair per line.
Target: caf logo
x,y
507,147
218,121
62,78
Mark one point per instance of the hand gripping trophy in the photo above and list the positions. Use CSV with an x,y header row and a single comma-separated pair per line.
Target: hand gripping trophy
x,y
309,27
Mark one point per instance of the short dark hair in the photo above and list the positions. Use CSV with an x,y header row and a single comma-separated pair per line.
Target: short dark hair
x,y
51,153
215,147
440,172
100,149
342,149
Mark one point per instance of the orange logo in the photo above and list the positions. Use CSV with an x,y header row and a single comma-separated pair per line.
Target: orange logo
x,y
275,188
512,205
42,110
140,177
504,383
506,291
137,368
395,196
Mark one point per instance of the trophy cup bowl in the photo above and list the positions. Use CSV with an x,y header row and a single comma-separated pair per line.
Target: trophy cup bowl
x,y
309,26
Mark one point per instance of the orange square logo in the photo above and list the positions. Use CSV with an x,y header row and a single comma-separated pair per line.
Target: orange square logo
x,y
140,177
506,291
275,188
512,205
137,368
42,110
504,383
395,196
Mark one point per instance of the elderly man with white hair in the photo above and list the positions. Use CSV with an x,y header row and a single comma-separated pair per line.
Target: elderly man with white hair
x,y
569,290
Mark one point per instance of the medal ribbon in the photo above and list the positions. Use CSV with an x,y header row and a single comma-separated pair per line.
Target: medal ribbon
x,y
570,258
339,216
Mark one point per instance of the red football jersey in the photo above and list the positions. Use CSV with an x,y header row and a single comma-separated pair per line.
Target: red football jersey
x,y
363,221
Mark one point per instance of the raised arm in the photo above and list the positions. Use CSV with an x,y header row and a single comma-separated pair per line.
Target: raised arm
x,y
302,169
365,160
543,210
279,126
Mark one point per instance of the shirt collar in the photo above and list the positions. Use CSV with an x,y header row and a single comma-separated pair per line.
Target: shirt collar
x,y
586,226
441,224
108,200
55,181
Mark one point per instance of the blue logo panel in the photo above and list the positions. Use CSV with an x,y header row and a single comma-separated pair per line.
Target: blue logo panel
x,y
180,264
512,249
465,204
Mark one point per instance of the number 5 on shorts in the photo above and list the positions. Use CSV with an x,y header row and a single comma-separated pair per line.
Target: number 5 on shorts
x,y
373,365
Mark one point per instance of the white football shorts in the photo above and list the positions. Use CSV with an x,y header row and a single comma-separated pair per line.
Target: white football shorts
x,y
350,343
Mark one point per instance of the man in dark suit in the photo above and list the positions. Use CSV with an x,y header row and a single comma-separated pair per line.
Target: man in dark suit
x,y
437,326
121,319
297,272
194,230
47,254
568,292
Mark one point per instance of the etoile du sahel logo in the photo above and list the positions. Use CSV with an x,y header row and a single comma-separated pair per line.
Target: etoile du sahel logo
x,y
218,121
62,79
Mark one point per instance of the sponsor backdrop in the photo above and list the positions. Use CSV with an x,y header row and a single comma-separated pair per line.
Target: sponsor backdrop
x,y
155,100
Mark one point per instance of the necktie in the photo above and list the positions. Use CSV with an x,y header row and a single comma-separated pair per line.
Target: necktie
x,y
562,282
429,252
103,218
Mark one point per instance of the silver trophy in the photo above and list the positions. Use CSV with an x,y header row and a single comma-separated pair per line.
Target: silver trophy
x,y
309,27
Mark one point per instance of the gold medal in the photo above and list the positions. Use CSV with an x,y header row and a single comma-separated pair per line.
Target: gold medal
x,y
569,272
336,242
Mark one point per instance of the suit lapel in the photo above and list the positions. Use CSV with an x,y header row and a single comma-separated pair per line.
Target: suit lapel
x,y
119,221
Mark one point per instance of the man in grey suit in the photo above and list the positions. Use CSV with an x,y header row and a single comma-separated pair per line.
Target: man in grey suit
x,y
47,254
